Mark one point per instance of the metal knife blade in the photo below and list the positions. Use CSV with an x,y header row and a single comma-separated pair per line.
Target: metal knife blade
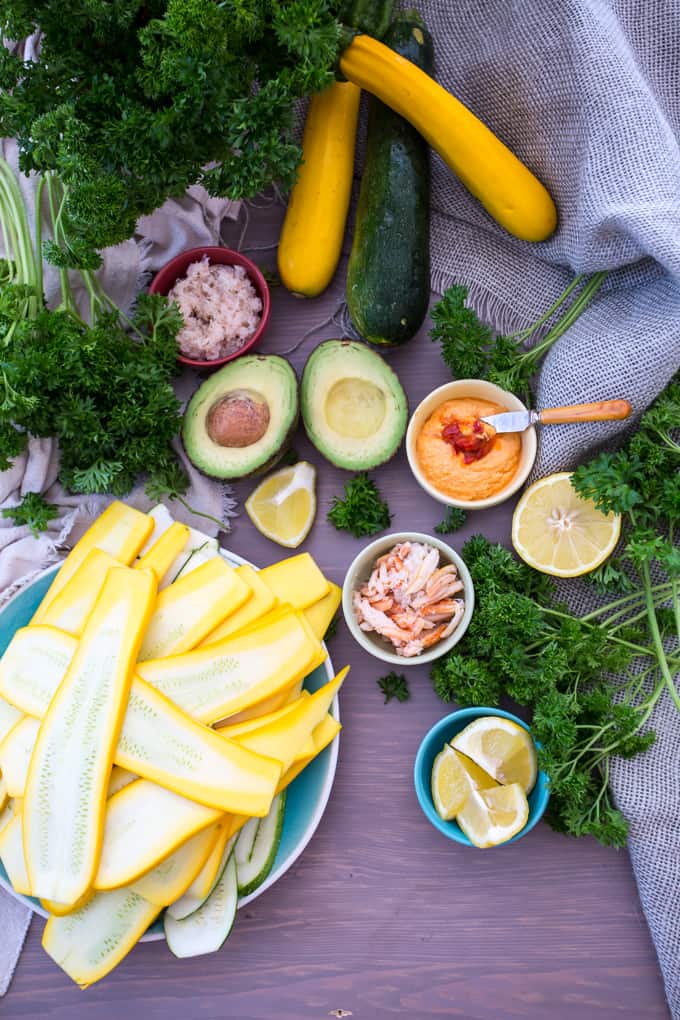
x,y
511,421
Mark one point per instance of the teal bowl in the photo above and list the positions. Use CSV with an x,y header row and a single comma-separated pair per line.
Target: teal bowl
x,y
433,742
307,795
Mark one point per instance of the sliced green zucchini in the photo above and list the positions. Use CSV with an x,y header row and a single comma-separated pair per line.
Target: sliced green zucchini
x,y
246,841
91,941
206,929
188,904
252,872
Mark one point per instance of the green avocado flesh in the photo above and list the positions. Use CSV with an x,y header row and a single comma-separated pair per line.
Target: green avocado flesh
x,y
239,421
353,405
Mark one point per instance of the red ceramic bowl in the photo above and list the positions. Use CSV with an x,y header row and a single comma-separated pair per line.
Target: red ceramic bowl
x,y
177,267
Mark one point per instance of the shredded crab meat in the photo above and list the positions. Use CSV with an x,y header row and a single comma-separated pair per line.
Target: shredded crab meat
x,y
409,599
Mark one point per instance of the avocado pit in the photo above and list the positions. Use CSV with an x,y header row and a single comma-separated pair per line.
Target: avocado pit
x,y
238,419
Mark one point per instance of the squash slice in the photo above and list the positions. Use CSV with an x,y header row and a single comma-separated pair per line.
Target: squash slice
x,y
160,556
119,779
261,600
297,580
212,683
172,877
12,856
9,715
4,795
189,904
69,772
198,549
191,607
287,734
33,666
233,730
71,607
157,740
271,704
209,873
206,928
322,736
62,909
120,531
320,614
161,743
11,810
144,824
15,755
88,943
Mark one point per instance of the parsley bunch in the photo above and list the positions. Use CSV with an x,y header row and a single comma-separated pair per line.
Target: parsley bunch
x,y
362,511
34,512
131,101
470,350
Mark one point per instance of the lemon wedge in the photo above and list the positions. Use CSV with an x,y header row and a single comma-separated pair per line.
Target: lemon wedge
x,y
490,817
500,747
283,506
557,532
454,777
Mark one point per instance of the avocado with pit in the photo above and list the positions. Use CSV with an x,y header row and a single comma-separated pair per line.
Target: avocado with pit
x,y
240,420
353,406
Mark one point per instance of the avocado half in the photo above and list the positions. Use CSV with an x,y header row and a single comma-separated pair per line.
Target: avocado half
x,y
353,406
240,420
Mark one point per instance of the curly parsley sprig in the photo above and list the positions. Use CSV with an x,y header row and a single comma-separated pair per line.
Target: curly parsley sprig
x,y
363,511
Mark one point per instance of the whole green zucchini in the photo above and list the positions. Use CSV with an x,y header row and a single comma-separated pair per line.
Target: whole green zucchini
x,y
388,276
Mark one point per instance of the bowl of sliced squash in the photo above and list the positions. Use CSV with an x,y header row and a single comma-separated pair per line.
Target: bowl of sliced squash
x,y
168,737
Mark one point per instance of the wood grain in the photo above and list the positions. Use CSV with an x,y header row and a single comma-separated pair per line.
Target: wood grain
x,y
382,916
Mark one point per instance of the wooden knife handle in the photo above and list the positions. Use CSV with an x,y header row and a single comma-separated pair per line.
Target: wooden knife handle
x,y
603,410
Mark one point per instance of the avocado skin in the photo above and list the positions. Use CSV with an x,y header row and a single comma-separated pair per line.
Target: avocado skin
x,y
192,439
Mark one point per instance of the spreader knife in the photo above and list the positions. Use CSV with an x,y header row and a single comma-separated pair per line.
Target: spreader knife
x,y
518,421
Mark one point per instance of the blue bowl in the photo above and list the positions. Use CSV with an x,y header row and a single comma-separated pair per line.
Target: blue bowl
x,y
433,742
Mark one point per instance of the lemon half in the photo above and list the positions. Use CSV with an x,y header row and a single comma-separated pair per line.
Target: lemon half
x,y
557,532
283,506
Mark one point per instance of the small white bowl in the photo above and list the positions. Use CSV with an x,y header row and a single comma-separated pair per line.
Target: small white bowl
x,y
359,572
483,390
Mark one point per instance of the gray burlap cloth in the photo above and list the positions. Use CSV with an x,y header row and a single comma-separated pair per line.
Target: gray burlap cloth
x,y
587,92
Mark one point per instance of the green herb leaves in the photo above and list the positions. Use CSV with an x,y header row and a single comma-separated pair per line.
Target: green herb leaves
x,y
160,91
394,685
33,511
453,520
471,351
362,511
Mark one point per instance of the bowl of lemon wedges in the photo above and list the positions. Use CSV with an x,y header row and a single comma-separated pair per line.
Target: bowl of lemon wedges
x,y
477,778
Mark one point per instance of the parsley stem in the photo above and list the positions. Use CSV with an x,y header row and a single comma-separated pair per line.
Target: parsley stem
x,y
524,334
198,513
656,636
663,586
571,315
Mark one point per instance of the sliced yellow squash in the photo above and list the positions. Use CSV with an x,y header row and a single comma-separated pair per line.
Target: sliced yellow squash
x,y
88,943
164,551
320,614
205,879
69,772
33,666
12,855
212,683
61,909
322,735
157,740
15,755
171,878
297,580
260,602
9,715
271,704
144,824
161,743
287,734
120,531
71,607
119,779
233,730
11,809
191,607
4,795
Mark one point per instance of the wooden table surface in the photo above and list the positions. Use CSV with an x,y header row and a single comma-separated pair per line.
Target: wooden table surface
x,y
382,916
